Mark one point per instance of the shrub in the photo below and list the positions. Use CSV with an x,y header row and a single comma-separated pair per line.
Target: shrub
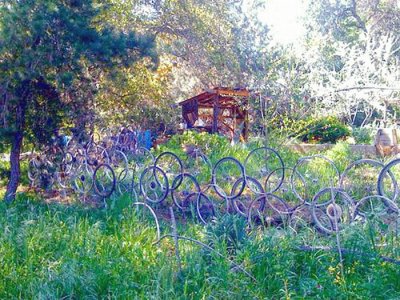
x,y
324,130
362,135
213,145
288,126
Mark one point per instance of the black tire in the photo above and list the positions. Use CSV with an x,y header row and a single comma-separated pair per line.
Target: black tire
x,y
375,206
171,165
104,180
242,202
356,179
222,186
330,215
311,185
385,172
153,178
268,210
205,208
264,162
181,194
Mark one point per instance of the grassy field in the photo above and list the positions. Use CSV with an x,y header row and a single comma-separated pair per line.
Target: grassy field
x,y
50,250
55,251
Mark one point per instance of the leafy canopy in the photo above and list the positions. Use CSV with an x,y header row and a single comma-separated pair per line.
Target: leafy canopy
x,y
55,46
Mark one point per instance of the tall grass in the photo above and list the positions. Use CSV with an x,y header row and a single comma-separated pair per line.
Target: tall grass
x,y
60,251
51,251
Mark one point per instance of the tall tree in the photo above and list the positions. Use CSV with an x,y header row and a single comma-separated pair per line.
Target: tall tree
x,y
48,48
354,57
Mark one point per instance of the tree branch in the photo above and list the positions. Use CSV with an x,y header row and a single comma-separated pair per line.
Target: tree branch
x,y
367,88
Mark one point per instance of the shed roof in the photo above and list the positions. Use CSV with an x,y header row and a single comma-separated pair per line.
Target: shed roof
x,y
227,97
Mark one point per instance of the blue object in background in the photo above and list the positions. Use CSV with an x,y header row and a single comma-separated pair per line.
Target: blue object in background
x,y
144,139
147,139
64,140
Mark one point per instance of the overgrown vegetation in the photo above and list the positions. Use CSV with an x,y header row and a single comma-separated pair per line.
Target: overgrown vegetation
x,y
55,250
90,65
68,251
310,130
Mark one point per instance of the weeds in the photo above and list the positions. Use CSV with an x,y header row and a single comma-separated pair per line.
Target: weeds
x,y
58,251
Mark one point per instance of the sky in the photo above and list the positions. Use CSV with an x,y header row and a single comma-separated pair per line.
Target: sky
x,y
284,19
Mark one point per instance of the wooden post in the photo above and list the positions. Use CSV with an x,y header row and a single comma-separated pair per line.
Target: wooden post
x,y
246,126
215,114
246,121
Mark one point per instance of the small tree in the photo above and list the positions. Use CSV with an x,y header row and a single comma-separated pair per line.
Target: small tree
x,y
49,48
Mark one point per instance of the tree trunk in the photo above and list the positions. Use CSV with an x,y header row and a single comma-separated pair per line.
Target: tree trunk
x,y
15,167
16,145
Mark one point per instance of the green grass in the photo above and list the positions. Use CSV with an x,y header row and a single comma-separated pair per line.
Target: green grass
x,y
53,251
60,251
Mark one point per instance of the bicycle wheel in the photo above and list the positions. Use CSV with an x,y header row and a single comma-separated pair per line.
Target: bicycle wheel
x,y
264,211
375,207
360,178
378,214
226,172
199,165
252,190
184,193
220,204
308,178
104,180
83,179
118,161
205,208
68,162
143,158
62,179
125,182
154,185
263,163
331,210
387,180
172,167
93,154
284,191
33,171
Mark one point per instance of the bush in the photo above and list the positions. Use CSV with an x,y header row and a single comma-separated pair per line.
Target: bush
x,y
324,130
287,126
310,130
362,135
213,145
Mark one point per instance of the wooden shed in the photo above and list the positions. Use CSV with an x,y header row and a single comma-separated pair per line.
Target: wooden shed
x,y
219,110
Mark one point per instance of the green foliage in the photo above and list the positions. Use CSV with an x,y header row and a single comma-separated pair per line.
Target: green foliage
x,y
51,55
230,230
324,130
58,251
5,173
45,112
137,95
288,126
363,135
51,58
213,145
341,155
310,130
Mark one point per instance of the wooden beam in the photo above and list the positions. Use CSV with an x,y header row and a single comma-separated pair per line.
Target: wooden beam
x,y
246,125
231,92
215,114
